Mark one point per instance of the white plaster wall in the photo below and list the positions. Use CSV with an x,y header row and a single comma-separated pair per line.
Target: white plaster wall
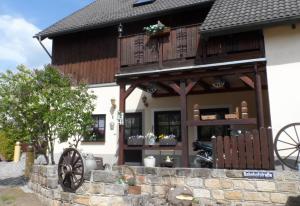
x,y
282,46
107,149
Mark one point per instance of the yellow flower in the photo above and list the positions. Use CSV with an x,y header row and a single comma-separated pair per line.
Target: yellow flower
x,y
162,136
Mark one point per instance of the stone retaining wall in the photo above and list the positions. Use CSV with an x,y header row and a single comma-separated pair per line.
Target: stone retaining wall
x,y
210,187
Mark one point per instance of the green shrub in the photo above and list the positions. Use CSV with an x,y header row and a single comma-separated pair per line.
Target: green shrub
x,y
6,147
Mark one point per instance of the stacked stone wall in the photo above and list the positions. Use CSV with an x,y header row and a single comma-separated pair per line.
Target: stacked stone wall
x,y
209,187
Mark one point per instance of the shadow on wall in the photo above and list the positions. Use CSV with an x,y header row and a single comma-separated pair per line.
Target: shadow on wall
x,y
293,201
282,44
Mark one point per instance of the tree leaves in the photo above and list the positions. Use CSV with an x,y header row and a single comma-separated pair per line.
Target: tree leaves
x,y
43,105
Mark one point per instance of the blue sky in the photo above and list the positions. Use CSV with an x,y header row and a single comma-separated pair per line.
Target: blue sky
x,y
20,20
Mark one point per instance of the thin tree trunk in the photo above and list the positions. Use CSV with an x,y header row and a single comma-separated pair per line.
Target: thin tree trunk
x,y
52,152
46,158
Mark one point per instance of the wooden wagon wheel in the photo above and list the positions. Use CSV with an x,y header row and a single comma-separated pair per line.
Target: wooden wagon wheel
x,y
70,170
287,145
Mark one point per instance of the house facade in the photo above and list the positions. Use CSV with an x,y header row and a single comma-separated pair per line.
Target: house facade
x,y
210,57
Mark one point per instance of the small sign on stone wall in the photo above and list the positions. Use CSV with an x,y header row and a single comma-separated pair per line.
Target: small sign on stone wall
x,y
258,174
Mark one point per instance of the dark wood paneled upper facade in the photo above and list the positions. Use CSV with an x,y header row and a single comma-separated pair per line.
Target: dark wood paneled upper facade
x,y
93,56
87,56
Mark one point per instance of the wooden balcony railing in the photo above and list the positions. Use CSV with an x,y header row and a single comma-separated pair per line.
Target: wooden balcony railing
x,y
181,42
182,46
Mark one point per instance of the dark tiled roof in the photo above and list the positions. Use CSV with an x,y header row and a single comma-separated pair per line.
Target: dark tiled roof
x,y
227,15
105,12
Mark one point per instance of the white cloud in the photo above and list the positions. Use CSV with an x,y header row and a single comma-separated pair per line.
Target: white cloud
x,y
17,45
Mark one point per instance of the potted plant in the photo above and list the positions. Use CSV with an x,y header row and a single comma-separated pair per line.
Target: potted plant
x,y
132,187
137,140
167,140
156,30
130,180
150,138
167,162
149,161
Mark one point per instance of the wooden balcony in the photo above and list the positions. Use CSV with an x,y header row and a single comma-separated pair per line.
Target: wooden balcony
x,y
182,46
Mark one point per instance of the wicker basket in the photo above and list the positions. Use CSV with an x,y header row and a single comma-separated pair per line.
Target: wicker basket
x,y
168,142
208,117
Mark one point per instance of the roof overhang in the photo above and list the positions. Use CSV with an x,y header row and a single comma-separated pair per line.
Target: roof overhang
x,y
195,67
249,27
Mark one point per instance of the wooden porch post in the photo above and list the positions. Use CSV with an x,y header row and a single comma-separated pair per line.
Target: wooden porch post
x,y
122,127
183,91
123,95
184,136
259,98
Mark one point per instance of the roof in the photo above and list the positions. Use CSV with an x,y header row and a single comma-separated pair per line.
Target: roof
x,y
109,12
226,16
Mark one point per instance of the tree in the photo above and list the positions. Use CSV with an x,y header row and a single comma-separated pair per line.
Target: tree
x,y
43,105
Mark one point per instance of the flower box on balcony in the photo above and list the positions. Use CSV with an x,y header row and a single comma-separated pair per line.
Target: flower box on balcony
x,y
157,30
166,31
167,140
137,140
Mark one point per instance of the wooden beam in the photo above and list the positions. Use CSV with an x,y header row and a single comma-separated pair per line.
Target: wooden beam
x,y
248,81
119,47
163,87
122,127
190,86
213,91
249,121
259,98
160,53
184,135
188,75
221,79
175,87
130,90
204,84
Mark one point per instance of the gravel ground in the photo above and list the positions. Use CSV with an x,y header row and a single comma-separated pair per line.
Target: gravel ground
x,y
13,188
16,196
12,169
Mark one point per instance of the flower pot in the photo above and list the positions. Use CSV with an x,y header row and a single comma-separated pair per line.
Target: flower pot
x,y
134,190
168,142
150,142
135,141
165,32
149,161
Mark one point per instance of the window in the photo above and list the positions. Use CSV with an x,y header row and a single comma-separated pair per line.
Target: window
x,y
98,129
168,122
133,124
206,132
142,2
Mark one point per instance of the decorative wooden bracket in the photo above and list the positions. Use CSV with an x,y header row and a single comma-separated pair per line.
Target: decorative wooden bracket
x,y
248,81
130,90
190,86
175,87
186,90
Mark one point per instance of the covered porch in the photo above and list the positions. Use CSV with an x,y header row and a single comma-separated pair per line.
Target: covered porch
x,y
250,149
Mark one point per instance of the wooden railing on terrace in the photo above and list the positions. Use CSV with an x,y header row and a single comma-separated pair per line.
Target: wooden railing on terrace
x,y
182,46
253,150
181,42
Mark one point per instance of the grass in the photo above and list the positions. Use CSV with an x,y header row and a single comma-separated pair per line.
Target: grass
x,y
7,200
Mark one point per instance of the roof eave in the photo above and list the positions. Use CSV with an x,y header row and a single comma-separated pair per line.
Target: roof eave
x,y
249,27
